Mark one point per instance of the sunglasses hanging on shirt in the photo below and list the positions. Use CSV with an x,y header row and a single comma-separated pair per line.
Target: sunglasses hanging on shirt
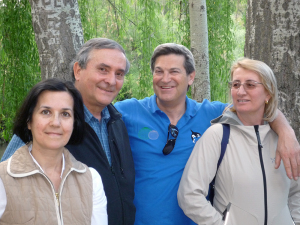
x,y
173,130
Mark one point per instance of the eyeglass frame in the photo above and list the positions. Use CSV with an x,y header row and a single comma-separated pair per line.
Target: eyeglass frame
x,y
171,142
230,85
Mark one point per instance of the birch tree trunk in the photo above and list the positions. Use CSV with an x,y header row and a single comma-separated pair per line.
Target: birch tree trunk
x,y
199,48
58,34
273,36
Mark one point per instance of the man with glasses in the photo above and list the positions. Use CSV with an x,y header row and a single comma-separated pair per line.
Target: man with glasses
x,y
163,130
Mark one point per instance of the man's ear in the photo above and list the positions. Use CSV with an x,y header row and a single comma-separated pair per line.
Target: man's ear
x,y
76,69
191,78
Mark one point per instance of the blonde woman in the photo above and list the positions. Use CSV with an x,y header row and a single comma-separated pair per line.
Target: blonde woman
x,y
247,184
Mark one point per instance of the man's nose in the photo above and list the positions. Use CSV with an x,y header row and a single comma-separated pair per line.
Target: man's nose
x,y
166,77
111,78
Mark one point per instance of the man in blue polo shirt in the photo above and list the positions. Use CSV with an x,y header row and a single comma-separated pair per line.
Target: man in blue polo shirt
x,y
163,130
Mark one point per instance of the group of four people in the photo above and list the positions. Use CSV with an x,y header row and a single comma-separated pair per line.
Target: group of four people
x,y
141,169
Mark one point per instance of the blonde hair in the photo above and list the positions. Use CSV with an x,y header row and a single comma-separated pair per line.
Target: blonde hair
x,y
268,80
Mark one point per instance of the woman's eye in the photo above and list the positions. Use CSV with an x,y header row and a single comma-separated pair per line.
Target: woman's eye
x,y
250,85
45,112
236,85
66,114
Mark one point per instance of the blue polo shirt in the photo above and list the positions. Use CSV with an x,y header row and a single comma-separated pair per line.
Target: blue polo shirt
x,y
158,175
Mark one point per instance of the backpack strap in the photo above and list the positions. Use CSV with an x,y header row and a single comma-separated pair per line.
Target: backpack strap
x,y
224,142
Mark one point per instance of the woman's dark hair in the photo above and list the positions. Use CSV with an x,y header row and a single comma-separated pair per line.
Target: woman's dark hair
x,y
24,115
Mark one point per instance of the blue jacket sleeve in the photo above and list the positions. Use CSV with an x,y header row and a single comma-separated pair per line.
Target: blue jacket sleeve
x,y
14,144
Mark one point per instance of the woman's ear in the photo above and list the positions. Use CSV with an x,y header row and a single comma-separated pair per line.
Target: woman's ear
x,y
29,125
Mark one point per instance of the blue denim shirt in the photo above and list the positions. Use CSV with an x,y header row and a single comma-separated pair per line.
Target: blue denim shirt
x,y
100,128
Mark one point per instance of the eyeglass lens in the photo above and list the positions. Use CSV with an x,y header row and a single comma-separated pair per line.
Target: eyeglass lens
x,y
248,85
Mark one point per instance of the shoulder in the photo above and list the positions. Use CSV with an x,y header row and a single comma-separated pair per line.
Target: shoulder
x,y
214,132
206,110
213,105
133,102
97,181
95,175
206,104
125,103
130,107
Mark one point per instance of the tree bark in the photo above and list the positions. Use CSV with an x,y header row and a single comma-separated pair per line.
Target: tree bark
x,y
58,34
199,48
273,36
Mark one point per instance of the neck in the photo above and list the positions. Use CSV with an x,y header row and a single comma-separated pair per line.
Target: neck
x,y
95,110
49,160
173,111
250,120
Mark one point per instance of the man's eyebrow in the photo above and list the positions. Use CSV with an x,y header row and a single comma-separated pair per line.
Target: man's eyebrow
x,y
173,68
107,66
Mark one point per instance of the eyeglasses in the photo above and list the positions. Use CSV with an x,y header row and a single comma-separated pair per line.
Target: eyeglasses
x,y
170,142
248,85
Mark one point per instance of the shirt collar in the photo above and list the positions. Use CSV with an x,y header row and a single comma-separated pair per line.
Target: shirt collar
x,y
190,106
88,115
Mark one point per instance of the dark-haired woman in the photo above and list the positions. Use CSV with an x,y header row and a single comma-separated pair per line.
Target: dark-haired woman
x,y
42,183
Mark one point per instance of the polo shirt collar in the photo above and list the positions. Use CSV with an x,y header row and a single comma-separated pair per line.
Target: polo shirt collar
x,y
190,106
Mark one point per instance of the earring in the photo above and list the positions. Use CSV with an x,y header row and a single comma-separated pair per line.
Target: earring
x,y
267,101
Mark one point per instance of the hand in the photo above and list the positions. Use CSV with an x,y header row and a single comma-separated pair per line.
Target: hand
x,y
288,149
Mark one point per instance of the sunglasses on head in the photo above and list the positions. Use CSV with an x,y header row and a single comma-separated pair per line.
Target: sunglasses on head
x,y
173,130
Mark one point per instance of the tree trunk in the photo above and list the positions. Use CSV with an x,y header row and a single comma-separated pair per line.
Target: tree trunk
x,y
199,48
58,34
273,36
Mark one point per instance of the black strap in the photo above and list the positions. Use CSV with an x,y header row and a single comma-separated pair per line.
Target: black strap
x,y
224,142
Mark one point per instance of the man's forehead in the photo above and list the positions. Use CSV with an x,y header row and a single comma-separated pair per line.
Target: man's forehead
x,y
170,61
104,51
108,56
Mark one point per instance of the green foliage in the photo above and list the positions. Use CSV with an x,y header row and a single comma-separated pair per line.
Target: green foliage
x,y
19,62
239,30
221,45
139,26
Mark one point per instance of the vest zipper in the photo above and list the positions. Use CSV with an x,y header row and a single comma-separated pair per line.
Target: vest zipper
x,y
263,173
57,198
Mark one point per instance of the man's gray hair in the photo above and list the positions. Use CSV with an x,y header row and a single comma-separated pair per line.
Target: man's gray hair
x,y
83,55
172,48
